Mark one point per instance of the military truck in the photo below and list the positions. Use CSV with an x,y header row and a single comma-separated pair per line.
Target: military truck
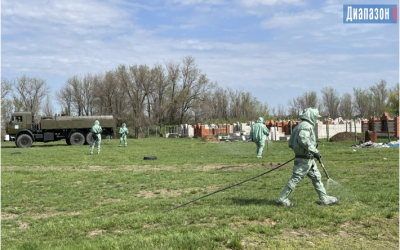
x,y
74,129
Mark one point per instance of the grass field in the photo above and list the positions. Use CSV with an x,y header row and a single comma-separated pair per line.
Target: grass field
x,y
56,196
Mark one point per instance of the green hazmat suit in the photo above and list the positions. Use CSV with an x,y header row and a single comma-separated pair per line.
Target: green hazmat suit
x,y
258,133
302,142
96,136
124,132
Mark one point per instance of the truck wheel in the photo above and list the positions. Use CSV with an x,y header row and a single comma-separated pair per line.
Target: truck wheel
x,y
77,139
67,141
89,138
24,141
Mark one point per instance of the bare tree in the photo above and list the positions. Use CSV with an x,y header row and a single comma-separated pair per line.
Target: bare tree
x,y
362,102
159,95
310,100
331,101
295,106
75,86
48,109
346,106
134,82
393,101
173,70
380,95
193,86
279,112
298,104
111,98
6,88
7,108
88,95
29,93
64,97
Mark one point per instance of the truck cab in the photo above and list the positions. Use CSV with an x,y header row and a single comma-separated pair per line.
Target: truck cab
x,y
19,127
19,121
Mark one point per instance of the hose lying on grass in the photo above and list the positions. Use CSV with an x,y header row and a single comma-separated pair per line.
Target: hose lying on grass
x,y
228,187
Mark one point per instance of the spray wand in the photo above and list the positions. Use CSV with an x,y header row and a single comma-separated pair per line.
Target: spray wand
x,y
322,165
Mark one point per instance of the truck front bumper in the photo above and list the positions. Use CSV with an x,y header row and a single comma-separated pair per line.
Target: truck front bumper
x,y
9,138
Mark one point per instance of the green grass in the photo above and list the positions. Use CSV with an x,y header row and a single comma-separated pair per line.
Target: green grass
x,y
74,215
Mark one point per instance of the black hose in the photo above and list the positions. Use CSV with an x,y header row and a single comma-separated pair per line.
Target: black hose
x,y
227,187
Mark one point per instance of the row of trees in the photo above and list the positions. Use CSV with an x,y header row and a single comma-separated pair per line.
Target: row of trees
x,y
177,93
365,102
173,93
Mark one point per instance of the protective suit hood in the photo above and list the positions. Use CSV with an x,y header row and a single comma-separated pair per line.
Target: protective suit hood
x,y
260,120
311,115
96,122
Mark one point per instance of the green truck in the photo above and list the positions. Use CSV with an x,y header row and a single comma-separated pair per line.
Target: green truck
x,y
74,129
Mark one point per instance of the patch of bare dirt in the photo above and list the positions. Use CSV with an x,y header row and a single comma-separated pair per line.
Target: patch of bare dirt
x,y
343,180
209,138
165,193
249,241
146,168
230,168
363,169
96,232
23,225
151,225
346,224
244,223
96,168
162,192
345,136
146,194
297,233
137,168
9,216
49,214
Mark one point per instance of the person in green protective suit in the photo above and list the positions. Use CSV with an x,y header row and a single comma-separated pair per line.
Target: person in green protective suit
x,y
96,136
258,133
124,132
302,142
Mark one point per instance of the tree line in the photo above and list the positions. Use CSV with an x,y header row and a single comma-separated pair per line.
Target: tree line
x,y
177,93
364,103
139,95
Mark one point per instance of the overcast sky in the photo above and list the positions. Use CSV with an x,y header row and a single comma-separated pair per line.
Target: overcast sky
x,y
275,49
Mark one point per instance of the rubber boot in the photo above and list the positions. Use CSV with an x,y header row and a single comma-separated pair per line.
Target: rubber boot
x,y
329,201
283,198
119,145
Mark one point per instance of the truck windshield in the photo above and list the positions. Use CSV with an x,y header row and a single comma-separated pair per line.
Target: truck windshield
x,y
16,119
